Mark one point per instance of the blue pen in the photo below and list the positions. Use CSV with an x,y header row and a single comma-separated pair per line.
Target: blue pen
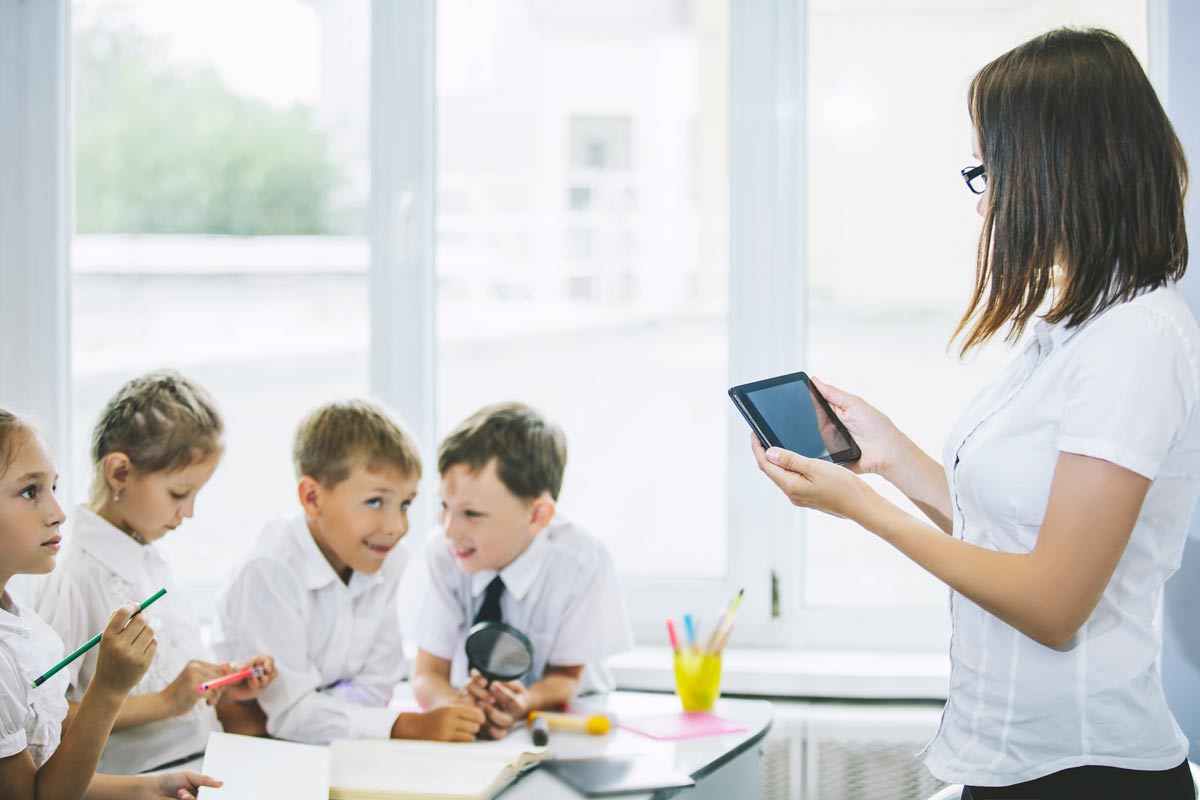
x,y
691,629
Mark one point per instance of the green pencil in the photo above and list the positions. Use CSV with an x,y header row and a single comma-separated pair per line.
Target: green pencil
x,y
92,643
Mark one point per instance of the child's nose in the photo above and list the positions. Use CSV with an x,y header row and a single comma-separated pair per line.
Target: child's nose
x,y
57,516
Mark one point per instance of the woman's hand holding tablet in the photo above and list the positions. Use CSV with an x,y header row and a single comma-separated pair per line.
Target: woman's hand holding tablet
x,y
806,441
788,412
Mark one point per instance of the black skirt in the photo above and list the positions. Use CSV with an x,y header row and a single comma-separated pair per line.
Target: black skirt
x,y
1095,783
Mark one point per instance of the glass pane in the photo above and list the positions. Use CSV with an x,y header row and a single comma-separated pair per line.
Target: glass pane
x,y
220,216
582,253
893,232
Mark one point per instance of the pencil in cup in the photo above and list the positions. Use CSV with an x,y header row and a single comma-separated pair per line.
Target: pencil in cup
x,y
720,635
95,640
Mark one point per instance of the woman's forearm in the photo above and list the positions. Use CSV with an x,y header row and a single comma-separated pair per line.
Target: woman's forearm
x,y
1012,586
923,481
1049,592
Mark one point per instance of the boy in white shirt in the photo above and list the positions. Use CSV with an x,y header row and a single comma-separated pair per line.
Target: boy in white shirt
x,y
318,590
507,557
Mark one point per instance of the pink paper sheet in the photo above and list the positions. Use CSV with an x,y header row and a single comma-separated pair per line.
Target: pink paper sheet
x,y
682,725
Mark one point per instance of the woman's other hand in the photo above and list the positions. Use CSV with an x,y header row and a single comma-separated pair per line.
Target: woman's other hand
x,y
881,442
813,483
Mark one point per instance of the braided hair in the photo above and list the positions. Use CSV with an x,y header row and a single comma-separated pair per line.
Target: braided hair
x,y
161,421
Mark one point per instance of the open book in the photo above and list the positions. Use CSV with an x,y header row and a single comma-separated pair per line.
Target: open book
x,y
373,769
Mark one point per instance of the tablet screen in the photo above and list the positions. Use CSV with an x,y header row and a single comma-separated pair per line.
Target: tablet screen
x,y
798,418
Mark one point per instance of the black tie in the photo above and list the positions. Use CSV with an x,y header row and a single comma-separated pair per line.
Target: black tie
x,y
490,610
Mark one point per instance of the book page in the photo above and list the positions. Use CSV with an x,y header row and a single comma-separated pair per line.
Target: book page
x,y
376,768
265,769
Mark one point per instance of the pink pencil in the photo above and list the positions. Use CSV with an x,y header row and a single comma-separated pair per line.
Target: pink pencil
x,y
672,634
233,677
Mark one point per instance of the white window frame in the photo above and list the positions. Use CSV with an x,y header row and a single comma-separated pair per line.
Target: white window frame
x,y
35,222
767,295
767,125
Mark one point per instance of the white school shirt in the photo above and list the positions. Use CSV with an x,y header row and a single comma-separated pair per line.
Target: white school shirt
x,y
1124,387
562,592
336,646
102,568
29,718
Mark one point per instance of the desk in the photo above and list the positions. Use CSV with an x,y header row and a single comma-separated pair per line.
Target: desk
x,y
723,767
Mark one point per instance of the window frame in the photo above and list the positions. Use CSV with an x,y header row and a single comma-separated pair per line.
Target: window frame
x,y
35,223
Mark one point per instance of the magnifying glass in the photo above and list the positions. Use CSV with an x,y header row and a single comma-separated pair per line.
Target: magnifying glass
x,y
500,652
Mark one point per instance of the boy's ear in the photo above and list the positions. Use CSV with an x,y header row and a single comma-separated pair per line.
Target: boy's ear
x,y
117,467
309,492
541,511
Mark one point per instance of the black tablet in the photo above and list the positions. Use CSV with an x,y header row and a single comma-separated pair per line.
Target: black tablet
x,y
789,412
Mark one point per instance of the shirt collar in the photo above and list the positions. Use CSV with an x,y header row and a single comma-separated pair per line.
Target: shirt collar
x,y
1050,336
11,618
315,568
111,546
518,576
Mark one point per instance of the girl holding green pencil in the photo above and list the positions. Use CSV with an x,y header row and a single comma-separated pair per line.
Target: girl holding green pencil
x,y
37,758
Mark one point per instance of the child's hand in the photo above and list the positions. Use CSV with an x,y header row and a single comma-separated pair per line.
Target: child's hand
x,y
476,688
174,786
507,704
253,686
184,692
457,722
126,650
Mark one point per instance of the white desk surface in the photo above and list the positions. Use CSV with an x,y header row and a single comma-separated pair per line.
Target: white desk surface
x,y
695,757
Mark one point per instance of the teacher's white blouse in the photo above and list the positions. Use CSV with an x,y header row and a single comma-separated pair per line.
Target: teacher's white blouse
x,y
1124,388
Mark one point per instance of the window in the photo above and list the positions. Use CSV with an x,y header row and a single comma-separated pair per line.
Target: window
x,y
638,203
221,202
585,270
892,238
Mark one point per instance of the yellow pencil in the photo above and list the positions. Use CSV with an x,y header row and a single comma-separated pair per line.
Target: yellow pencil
x,y
721,632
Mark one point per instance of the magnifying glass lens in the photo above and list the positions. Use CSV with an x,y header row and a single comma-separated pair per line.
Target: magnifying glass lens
x,y
500,652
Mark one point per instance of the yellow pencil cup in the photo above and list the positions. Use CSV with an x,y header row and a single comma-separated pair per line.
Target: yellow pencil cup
x,y
697,679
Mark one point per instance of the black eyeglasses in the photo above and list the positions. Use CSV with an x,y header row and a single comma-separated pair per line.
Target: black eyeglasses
x,y
976,178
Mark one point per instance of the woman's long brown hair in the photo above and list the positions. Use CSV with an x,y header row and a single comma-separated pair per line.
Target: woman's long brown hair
x,y
1085,174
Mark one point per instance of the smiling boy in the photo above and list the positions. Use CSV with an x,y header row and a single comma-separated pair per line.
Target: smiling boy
x,y
318,590
507,556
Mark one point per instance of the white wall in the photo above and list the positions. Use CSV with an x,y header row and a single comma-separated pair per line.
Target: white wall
x,y
1181,638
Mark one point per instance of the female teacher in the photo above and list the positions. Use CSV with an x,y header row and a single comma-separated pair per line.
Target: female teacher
x,y
1065,491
